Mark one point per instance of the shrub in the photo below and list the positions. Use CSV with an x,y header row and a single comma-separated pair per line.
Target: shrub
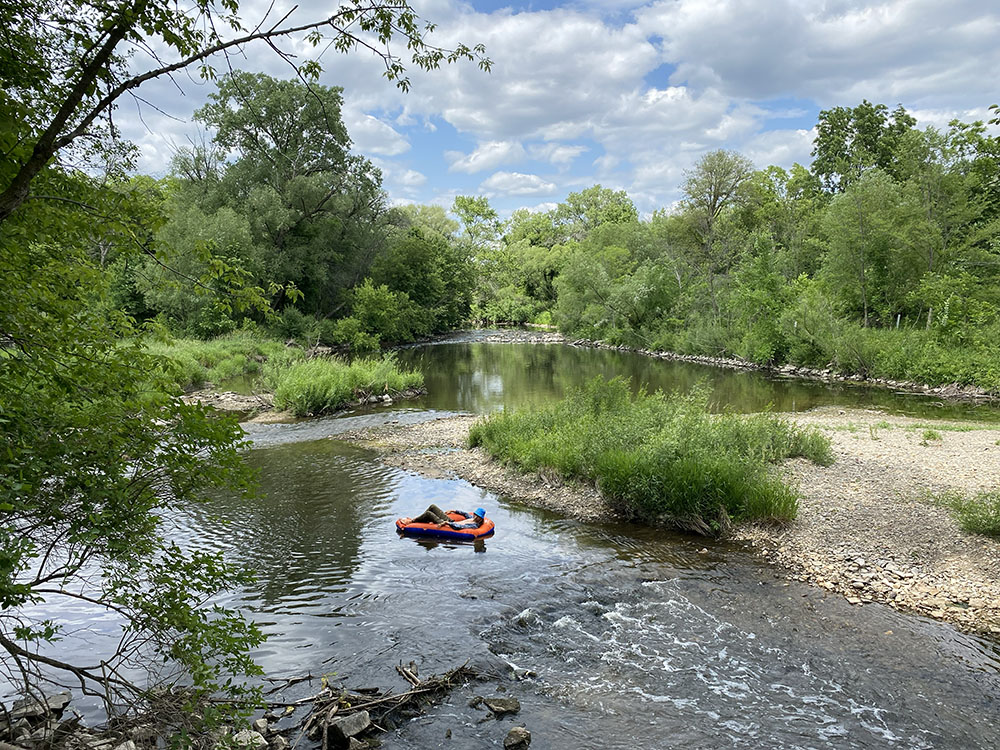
x,y
191,363
661,458
979,514
293,324
319,386
390,316
350,333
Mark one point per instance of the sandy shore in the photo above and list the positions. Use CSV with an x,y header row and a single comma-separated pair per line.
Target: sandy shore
x,y
868,527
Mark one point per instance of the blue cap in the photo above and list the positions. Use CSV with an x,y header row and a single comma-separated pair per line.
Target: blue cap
x,y
480,512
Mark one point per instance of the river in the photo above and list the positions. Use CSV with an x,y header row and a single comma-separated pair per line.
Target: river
x,y
625,637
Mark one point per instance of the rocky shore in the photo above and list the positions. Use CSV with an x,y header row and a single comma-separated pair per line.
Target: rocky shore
x,y
335,718
868,528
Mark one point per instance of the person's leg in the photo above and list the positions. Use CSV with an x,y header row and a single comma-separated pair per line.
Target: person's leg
x,y
432,515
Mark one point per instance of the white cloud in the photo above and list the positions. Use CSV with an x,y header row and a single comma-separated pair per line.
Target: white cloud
x,y
371,135
515,183
590,78
411,178
488,155
542,208
939,118
556,153
782,148
833,53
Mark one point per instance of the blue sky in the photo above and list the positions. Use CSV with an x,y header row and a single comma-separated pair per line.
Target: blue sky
x,y
627,94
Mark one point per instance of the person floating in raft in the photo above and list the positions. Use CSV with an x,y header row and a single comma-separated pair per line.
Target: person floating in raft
x,y
434,514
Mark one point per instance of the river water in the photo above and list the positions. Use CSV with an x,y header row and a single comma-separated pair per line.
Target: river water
x,y
623,636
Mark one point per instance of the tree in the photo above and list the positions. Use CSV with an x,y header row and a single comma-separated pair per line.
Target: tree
x,y
480,221
316,212
429,218
872,259
584,211
67,65
434,273
710,188
851,141
98,447
185,291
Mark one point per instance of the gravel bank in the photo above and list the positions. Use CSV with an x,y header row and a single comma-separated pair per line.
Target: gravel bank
x,y
867,526
869,529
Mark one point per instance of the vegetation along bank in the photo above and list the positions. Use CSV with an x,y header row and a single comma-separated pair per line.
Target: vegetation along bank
x,y
296,381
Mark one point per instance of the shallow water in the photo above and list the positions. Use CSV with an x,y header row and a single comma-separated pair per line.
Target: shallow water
x,y
637,638
480,377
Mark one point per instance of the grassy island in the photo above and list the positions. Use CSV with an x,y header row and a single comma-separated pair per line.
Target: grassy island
x,y
659,457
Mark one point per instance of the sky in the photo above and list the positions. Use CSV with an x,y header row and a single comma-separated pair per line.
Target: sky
x,y
621,93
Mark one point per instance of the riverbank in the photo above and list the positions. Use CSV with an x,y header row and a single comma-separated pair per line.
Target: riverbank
x,y
867,529
945,392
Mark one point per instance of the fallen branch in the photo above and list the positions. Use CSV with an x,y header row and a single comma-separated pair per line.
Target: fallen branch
x,y
330,706
287,683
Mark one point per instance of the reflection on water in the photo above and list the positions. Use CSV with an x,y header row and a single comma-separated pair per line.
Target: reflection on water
x,y
483,377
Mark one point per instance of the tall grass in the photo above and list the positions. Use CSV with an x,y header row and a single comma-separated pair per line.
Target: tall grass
x,y
192,363
323,385
661,458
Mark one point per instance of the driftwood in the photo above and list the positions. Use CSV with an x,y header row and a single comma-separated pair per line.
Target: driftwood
x,y
382,708
286,683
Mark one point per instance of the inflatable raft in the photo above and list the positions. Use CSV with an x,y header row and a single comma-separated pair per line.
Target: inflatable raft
x,y
407,526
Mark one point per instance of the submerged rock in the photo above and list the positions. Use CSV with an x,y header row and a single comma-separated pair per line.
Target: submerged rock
x,y
502,706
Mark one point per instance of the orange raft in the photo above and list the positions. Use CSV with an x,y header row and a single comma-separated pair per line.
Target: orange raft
x,y
407,526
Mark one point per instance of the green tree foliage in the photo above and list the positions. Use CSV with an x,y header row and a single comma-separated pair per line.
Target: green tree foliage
x,y
434,273
873,258
314,210
296,211
712,188
852,140
520,267
98,448
584,211
184,290
432,219
883,260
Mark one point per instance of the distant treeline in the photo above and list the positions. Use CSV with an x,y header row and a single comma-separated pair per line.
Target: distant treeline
x,y
881,258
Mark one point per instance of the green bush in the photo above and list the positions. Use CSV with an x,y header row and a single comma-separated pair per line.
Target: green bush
x,y
661,458
192,363
390,316
350,333
319,386
293,324
979,514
